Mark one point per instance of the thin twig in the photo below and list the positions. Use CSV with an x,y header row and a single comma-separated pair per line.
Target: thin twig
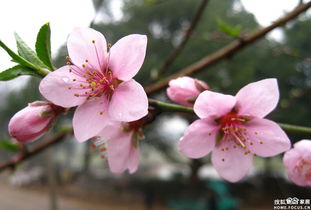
x,y
34,150
228,50
188,33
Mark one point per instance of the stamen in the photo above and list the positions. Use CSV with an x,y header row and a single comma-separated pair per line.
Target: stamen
x,y
239,140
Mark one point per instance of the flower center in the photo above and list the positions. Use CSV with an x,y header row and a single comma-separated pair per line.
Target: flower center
x,y
232,128
304,168
94,82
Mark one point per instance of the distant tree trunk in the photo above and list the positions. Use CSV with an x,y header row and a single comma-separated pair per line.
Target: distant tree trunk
x,y
51,179
86,159
195,166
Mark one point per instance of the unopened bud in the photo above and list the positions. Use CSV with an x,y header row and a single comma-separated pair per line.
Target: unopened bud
x,y
33,121
185,90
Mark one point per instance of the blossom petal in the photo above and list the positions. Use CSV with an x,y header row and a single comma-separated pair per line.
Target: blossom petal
x,y
90,118
111,130
291,160
231,162
304,147
133,160
129,102
266,138
122,154
199,138
127,56
81,48
258,98
212,104
119,151
59,87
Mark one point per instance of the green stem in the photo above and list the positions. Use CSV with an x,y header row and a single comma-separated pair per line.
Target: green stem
x,y
167,107
43,72
295,128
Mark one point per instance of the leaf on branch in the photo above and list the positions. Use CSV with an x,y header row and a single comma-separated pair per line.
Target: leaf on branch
x,y
43,45
26,52
16,71
8,145
229,30
17,58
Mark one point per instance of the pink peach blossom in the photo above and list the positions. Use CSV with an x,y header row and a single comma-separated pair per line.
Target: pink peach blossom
x,y
298,163
99,81
233,128
33,121
118,142
185,90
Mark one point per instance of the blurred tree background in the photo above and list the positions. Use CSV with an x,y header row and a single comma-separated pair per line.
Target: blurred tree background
x,y
165,22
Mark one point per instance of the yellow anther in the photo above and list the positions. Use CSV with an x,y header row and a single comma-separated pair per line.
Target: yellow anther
x,y
76,94
260,142
109,45
83,65
69,88
101,113
68,63
93,84
67,57
93,41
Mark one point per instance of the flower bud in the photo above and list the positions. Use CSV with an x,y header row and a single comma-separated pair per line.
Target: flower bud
x,y
33,121
185,90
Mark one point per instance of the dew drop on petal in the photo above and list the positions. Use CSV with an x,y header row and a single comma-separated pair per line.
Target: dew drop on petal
x,y
65,79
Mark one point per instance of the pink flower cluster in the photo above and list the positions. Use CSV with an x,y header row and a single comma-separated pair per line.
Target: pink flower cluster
x,y
99,80
233,128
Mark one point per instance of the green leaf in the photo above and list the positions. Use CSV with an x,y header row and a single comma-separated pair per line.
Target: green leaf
x,y
16,71
43,45
27,53
227,29
8,145
17,58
